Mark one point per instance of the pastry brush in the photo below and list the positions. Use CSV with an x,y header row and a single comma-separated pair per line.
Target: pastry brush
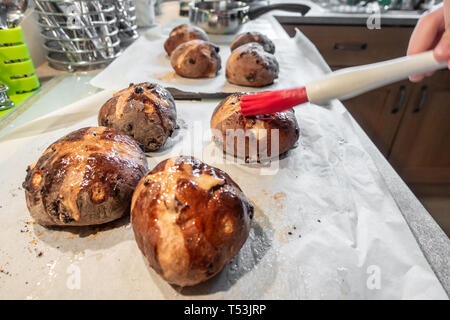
x,y
342,84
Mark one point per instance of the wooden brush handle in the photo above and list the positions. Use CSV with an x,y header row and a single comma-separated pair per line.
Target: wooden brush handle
x,y
347,83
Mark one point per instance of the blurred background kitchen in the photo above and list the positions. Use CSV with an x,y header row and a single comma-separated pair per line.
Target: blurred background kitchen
x,y
408,122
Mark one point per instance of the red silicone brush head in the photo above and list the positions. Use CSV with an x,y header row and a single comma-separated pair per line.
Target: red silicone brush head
x,y
272,101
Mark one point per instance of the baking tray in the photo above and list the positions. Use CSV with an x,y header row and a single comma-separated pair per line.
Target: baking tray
x,y
325,227
146,60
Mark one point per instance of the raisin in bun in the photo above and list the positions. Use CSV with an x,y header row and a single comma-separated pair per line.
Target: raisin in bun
x,y
189,219
253,36
145,111
196,59
249,65
84,178
252,137
183,33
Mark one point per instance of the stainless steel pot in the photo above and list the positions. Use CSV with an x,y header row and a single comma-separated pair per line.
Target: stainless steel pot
x,y
227,17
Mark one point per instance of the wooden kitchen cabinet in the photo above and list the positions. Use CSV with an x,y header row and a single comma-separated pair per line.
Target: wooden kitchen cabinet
x,y
355,45
408,122
380,111
421,150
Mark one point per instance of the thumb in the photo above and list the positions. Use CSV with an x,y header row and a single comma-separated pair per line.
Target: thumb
x,y
442,50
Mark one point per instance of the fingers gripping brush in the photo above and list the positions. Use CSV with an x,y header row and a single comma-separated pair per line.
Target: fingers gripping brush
x,y
342,84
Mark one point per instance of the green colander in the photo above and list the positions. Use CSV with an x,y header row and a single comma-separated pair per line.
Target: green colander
x,y
16,67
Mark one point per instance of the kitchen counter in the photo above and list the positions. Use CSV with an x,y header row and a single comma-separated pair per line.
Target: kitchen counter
x,y
323,16
430,237
348,20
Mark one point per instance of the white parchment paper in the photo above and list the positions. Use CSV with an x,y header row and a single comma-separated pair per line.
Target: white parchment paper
x,y
325,225
146,60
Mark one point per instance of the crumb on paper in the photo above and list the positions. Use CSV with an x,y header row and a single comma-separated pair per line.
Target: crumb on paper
x,y
3,271
26,229
33,240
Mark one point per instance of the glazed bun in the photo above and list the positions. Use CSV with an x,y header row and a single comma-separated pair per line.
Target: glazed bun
x,y
183,33
145,111
253,36
84,178
249,65
252,138
189,219
196,59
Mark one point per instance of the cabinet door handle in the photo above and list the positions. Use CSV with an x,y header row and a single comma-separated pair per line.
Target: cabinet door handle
x,y
350,47
401,99
422,100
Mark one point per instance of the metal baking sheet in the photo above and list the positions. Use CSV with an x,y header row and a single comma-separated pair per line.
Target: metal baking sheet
x,y
325,225
146,60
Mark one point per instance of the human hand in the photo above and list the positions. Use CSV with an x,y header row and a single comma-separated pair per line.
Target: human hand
x,y
432,32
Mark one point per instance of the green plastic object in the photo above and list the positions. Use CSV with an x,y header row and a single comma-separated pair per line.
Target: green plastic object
x,y
16,68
